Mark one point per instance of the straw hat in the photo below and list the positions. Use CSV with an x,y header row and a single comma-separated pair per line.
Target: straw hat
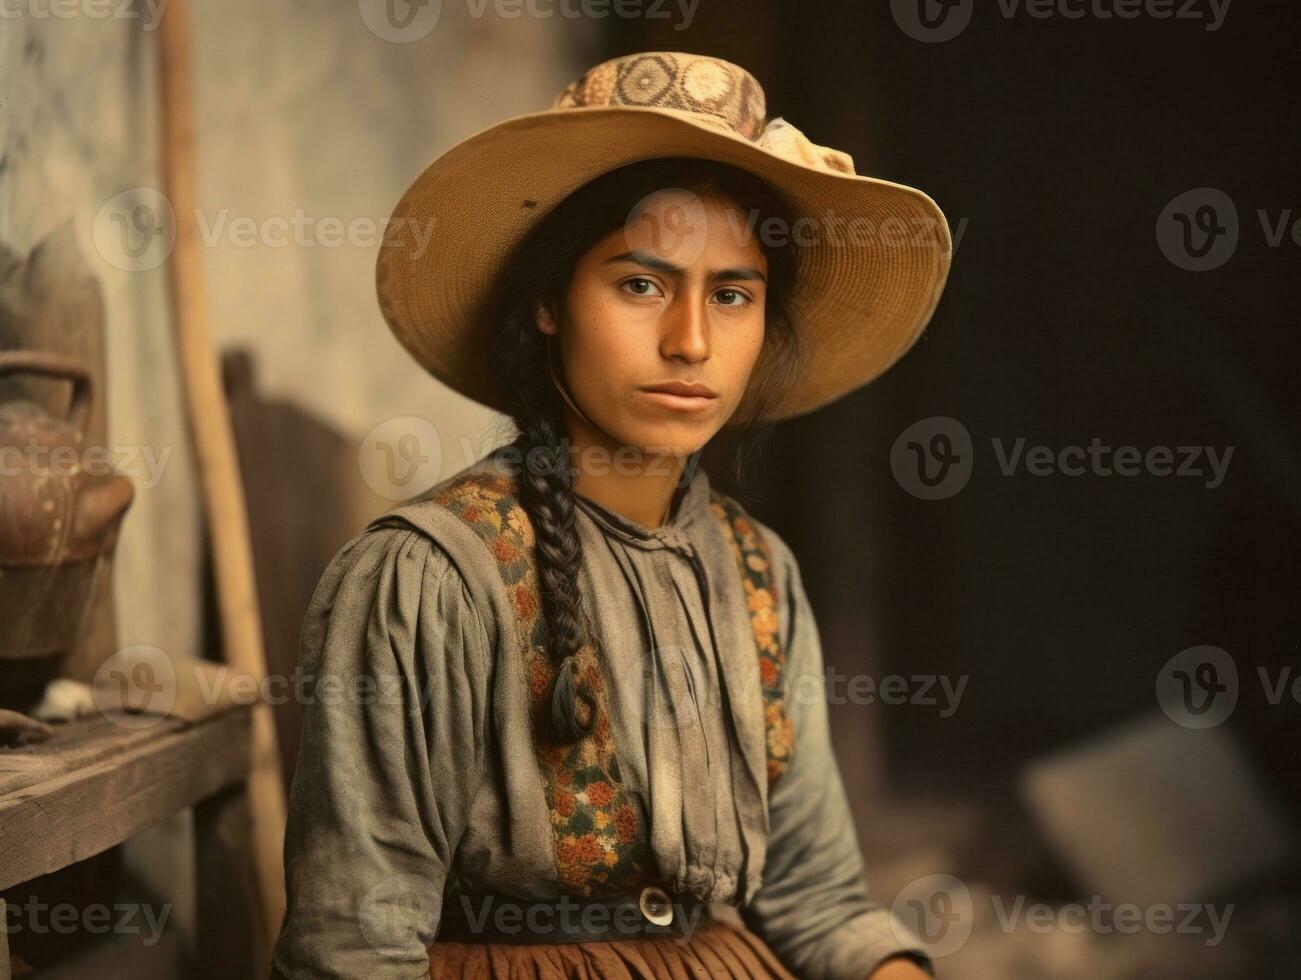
x,y
874,255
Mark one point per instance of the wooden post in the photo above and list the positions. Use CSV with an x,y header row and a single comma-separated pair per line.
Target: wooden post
x,y
228,921
218,466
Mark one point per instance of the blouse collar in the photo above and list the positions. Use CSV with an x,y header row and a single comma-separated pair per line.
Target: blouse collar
x,y
687,508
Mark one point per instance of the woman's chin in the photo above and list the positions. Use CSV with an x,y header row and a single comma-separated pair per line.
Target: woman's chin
x,y
679,439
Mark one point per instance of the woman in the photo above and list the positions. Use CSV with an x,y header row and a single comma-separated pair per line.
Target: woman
x,y
567,706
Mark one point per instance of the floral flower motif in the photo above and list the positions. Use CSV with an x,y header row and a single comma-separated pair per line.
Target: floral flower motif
x,y
567,849
599,848
565,802
553,756
525,600
587,850
754,561
539,679
626,823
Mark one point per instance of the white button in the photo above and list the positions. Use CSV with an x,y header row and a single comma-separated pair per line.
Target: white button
x,y
656,905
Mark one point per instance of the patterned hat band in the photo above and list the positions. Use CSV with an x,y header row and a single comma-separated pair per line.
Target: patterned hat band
x,y
717,92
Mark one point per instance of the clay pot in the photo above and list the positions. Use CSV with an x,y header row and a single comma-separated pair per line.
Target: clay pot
x,y
60,509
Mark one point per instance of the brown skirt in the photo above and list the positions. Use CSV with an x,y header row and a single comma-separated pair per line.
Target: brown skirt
x,y
716,950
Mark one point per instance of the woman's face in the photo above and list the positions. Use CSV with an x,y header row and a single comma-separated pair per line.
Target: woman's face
x,y
676,295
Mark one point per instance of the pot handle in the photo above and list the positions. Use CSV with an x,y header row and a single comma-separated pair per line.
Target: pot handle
x,y
54,366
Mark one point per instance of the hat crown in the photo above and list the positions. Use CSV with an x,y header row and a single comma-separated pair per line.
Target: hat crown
x,y
717,91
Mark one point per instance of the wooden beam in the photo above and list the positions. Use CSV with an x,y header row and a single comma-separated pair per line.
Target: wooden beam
x,y
107,788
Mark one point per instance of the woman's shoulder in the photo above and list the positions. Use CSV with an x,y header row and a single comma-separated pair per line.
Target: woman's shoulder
x,y
388,570
439,546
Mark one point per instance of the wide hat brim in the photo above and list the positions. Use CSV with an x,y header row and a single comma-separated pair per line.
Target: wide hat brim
x,y
873,259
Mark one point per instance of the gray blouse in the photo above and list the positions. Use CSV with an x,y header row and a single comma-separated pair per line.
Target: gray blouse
x,y
417,762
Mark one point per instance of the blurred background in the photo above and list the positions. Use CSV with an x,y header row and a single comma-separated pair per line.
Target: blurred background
x,y
1065,675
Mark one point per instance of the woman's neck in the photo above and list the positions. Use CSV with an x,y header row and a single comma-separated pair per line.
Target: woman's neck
x,y
635,484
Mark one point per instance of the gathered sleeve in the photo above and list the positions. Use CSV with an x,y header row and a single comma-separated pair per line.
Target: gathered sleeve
x,y
813,907
394,671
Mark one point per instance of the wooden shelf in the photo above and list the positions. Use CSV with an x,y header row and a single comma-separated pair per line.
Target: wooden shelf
x,y
95,784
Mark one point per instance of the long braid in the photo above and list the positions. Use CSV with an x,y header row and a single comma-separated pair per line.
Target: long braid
x,y
547,495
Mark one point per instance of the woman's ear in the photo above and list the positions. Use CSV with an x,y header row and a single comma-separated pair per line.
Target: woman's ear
x,y
545,318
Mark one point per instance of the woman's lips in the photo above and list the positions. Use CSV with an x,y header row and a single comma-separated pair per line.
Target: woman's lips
x,y
678,402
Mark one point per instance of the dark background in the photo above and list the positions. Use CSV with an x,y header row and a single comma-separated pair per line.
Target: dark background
x,y
1057,142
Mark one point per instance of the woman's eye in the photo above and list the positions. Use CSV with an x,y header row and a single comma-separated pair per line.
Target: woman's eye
x,y
732,297
641,286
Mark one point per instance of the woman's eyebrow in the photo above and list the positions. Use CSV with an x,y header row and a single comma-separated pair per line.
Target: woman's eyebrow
x,y
659,265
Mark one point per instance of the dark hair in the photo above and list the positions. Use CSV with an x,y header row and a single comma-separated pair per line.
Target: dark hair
x,y
540,269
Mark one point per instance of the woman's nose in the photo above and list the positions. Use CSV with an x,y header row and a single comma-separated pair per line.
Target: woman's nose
x,y
686,330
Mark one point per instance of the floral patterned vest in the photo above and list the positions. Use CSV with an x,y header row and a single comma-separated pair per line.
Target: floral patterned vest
x,y
590,808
